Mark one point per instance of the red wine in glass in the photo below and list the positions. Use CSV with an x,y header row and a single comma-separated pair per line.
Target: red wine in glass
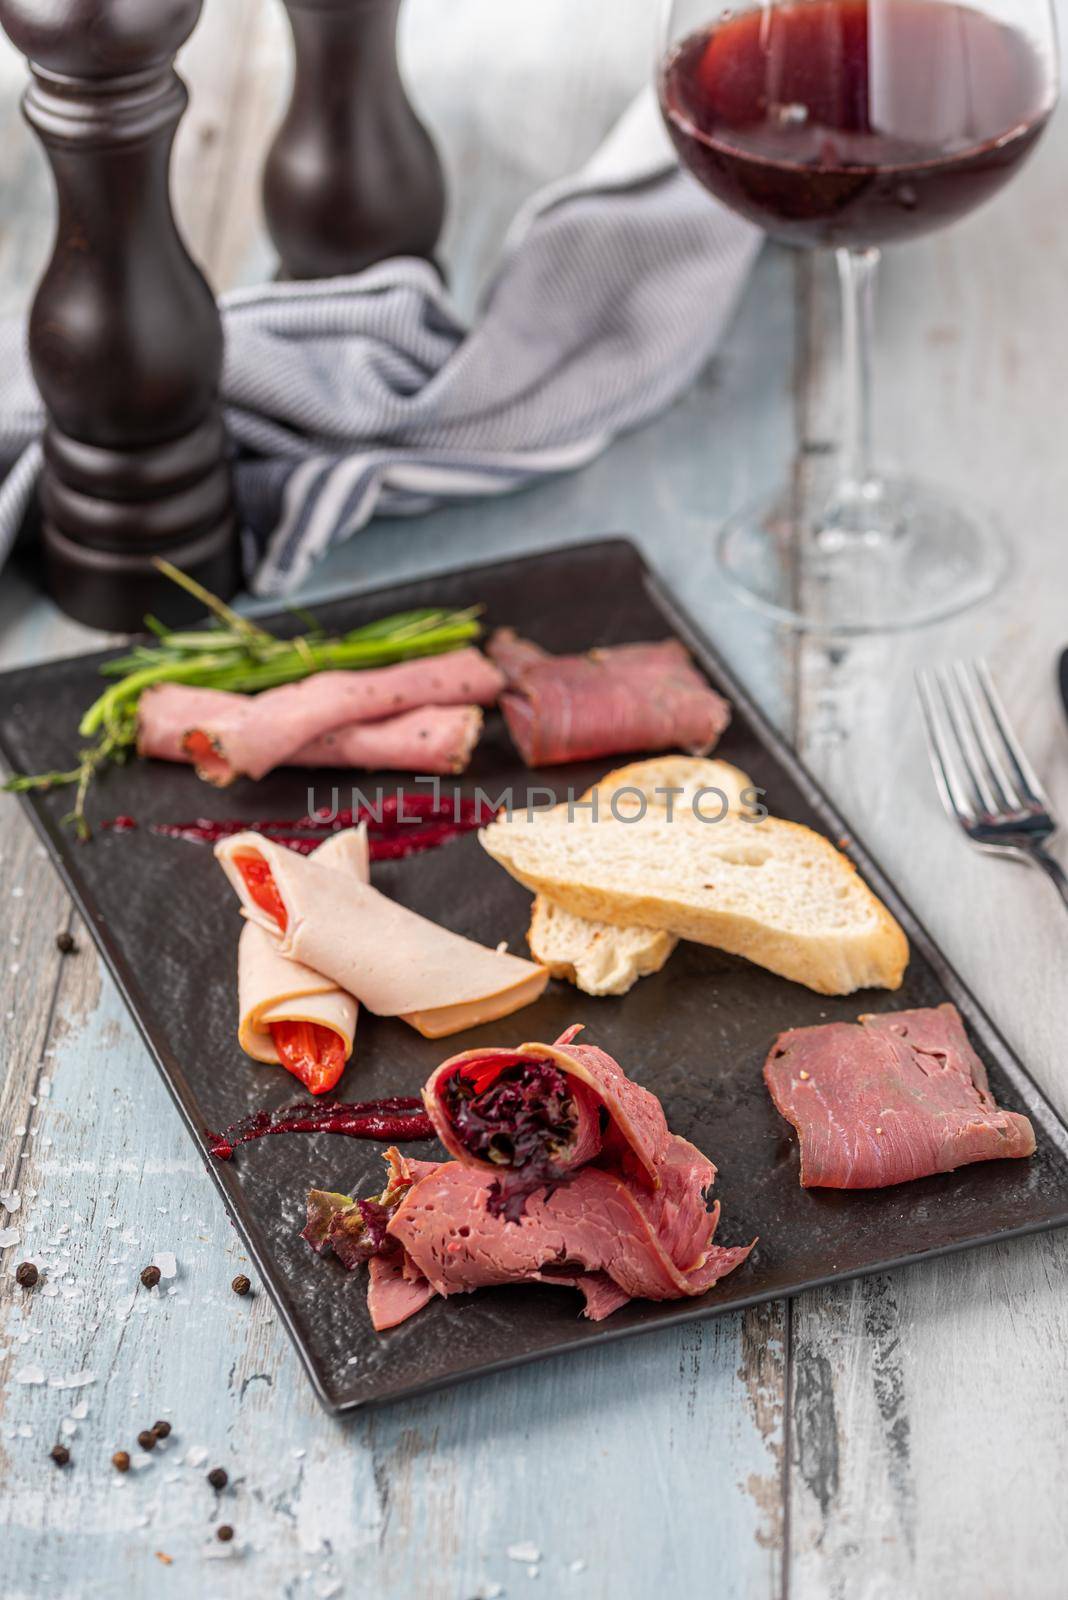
x,y
854,122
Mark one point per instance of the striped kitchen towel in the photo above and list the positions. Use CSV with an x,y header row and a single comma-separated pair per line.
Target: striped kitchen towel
x,y
364,395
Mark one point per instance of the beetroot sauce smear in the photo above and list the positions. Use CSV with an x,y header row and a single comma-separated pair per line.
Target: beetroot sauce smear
x,y
395,1120
402,825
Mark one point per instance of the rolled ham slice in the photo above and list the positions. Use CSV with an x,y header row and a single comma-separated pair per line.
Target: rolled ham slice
x,y
609,702
231,736
393,961
272,990
435,740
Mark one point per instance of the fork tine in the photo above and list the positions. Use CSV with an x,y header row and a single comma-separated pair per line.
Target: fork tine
x,y
1026,775
955,802
974,765
992,747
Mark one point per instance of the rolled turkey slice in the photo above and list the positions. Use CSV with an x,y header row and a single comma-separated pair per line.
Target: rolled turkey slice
x,y
532,1114
250,735
290,1015
395,962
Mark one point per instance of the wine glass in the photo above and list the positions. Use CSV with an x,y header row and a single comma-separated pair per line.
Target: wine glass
x,y
853,124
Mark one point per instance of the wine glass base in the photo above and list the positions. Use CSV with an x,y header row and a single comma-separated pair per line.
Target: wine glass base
x,y
892,555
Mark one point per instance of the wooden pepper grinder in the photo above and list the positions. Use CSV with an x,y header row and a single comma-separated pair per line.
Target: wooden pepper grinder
x,y
352,176
125,338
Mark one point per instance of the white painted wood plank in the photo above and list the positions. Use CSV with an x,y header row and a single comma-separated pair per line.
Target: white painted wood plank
x,y
648,1460
633,1459
927,1408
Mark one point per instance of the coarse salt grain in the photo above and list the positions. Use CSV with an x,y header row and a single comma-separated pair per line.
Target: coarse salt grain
x,y
526,1552
167,1263
30,1374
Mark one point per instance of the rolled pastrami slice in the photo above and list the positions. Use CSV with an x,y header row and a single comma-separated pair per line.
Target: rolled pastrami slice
x,y
544,1110
393,961
608,702
289,1014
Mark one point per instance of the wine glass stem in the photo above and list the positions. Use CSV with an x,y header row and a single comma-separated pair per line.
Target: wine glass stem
x,y
856,274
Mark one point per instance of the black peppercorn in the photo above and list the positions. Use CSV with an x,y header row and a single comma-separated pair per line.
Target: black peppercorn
x,y
121,1461
65,943
26,1274
217,1478
60,1454
150,1277
224,1533
146,1439
241,1284
161,1429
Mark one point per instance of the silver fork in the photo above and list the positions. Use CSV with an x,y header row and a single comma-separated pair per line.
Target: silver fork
x,y
984,778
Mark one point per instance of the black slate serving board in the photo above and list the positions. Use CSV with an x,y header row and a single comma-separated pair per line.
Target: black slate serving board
x,y
696,1033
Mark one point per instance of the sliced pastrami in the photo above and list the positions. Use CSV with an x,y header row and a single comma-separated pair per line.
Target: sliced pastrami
x,y
623,1213
893,1097
597,1223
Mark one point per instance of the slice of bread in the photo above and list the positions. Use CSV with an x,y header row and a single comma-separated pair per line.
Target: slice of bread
x,y
773,891
595,956
674,782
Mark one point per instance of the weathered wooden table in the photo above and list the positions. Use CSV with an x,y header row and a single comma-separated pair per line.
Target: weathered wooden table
x,y
901,1436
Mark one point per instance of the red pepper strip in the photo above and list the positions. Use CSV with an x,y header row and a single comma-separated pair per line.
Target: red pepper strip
x,y
311,1052
259,881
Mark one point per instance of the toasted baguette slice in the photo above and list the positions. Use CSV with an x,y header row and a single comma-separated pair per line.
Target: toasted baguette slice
x,y
773,891
595,956
679,779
